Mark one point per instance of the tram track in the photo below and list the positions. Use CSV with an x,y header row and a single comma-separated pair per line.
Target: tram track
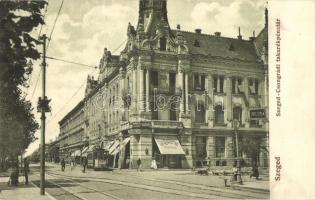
x,y
78,194
207,192
193,191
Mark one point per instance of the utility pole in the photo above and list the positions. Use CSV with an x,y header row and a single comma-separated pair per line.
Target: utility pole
x,y
43,107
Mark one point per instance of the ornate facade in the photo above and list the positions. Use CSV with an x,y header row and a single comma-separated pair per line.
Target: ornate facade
x,y
173,96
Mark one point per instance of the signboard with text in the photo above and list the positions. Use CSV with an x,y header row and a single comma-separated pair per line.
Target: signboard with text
x,y
257,113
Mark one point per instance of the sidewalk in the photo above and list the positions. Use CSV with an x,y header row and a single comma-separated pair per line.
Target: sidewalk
x,y
20,192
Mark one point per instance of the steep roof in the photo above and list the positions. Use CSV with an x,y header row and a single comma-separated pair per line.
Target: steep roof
x,y
260,41
219,46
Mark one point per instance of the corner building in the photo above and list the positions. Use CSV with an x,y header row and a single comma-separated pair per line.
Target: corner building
x,y
173,95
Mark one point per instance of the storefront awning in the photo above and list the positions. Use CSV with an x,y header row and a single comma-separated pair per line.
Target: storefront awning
x,y
76,153
169,145
114,147
107,145
90,148
118,147
84,151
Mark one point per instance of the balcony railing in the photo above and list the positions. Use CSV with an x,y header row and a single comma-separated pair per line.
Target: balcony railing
x,y
166,124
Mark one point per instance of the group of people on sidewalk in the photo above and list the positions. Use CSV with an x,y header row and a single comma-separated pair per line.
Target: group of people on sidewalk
x,y
15,172
84,164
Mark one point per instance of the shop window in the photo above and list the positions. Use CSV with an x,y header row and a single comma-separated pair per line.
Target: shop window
x,y
219,115
236,85
218,84
237,114
201,147
253,85
254,123
162,44
220,147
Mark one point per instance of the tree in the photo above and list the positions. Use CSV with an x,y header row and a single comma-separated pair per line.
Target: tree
x,y
252,146
17,49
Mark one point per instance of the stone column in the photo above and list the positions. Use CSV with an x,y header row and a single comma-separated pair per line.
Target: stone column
x,y
141,89
147,90
179,84
210,101
146,151
229,150
188,146
186,93
206,99
228,108
121,95
211,150
246,112
134,89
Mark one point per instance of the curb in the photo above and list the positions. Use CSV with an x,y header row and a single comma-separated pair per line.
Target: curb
x,y
250,189
46,193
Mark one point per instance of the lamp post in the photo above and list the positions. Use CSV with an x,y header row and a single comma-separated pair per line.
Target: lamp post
x,y
236,125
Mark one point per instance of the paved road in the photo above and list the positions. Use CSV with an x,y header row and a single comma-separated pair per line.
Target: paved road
x,y
124,185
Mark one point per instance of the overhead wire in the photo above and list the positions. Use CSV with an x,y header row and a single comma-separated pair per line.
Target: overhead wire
x,y
76,92
39,73
55,22
70,62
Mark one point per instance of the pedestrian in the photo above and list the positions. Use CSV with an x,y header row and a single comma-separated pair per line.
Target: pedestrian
x,y
127,162
139,164
84,164
26,170
153,164
14,175
63,165
255,172
71,164
235,172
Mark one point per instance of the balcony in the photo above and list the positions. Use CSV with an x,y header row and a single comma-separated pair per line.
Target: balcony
x,y
167,124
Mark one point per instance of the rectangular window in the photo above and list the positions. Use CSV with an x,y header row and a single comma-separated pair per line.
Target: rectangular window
x,y
236,85
253,85
200,113
154,79
199,82
221,84
218,84
220,147
172,81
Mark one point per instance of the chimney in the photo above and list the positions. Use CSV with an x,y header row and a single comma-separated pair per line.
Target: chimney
x,y
198,30
217,34
239,33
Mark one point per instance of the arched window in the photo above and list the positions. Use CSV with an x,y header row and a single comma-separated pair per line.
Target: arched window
x,y
237,114
162,44
219,114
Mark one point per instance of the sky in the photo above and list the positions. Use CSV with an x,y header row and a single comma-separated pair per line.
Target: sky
x,y
84,28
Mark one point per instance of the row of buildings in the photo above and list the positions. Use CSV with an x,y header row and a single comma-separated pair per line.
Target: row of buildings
x,y
174,96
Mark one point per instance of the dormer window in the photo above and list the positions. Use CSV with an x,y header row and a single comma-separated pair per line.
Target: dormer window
x,y
197,43
162,44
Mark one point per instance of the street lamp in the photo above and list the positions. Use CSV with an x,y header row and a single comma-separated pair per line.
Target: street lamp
x,y
236,125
